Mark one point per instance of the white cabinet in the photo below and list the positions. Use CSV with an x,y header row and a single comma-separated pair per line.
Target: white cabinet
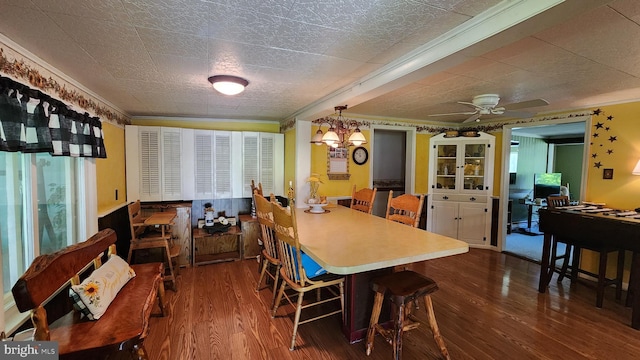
x,y
153,163
460,178
165,163
464,220
263,161
216,154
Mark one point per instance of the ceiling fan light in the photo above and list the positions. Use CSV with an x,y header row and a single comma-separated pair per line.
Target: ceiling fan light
x,y
228,84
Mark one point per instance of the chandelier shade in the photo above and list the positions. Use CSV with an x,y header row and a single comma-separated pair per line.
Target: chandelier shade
x,y
228,84
342,132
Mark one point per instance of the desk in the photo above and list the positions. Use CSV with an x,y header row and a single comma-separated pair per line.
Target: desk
x,y
212,250
594,230
530,204
361,246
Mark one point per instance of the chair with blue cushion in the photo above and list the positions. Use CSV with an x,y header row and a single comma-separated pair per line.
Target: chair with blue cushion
x,y
301,274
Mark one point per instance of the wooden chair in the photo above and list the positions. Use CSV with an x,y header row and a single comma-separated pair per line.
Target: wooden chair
x,y
405,209
142,237
575,247
362,199
255,189
269,258
553,202
294,273
404,288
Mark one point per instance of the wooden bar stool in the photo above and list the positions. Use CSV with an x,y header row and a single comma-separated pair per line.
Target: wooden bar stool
x,y
403,287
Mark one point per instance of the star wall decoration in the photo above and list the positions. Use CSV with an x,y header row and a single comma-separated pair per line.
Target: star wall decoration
x,y
598,141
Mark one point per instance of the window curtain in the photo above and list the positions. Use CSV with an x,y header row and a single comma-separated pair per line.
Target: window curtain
x,y
31,121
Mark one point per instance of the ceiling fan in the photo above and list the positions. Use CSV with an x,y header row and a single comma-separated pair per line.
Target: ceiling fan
x,y
485,104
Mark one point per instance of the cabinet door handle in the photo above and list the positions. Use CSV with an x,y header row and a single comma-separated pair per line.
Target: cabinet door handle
x,y
445,197
472,198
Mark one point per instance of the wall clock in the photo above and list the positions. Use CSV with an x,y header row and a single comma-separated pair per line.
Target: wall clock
x,y
360,155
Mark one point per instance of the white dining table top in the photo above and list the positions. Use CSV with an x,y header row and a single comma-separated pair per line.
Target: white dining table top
x,y
346,241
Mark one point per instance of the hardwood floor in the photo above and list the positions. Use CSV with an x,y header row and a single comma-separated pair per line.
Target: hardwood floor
x,y
488,307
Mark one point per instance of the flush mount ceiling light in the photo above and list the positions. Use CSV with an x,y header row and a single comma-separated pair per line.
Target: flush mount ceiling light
x,y
228,84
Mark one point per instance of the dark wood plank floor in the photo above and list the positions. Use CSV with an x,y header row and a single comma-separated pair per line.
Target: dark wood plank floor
x,y
488,307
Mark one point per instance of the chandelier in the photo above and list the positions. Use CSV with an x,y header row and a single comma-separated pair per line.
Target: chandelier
x,y
342,132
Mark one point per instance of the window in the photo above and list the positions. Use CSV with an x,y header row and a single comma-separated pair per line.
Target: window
x,y
40,206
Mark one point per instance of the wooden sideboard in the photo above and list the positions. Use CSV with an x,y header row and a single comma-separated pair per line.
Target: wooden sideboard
x,y
250,233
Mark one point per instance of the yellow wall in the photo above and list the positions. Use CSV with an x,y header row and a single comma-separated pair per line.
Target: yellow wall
x,y
623,191
422,163
110,172
272,127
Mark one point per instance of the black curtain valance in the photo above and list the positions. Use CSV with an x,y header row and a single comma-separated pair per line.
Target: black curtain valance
x,y
32,121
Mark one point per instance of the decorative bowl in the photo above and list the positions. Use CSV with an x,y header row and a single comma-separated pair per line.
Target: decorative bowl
x,y
316,208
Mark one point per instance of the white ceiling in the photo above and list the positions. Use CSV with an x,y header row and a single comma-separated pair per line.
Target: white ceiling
x,y
385,58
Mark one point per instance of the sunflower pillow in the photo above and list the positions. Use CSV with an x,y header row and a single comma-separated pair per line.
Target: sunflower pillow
x,y
93,296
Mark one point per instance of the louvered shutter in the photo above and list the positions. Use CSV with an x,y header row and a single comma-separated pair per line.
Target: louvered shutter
x,y
149,148
250,163
171,164
266,163
223,164
203,143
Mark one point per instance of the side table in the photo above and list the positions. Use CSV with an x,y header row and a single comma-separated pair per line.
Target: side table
x,y
212,248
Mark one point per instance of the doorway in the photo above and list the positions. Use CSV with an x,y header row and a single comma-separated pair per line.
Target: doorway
x,y
532,152
393,164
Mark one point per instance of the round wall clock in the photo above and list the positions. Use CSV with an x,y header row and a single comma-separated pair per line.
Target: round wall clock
x,y
360,155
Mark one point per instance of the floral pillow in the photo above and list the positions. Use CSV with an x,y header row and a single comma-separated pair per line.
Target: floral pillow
x,y
93,296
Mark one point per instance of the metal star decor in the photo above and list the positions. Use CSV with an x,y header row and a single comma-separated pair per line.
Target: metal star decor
x,y
595,135
594,155
613,138
610,117
607,128
599,125
597,112
609,151
597,165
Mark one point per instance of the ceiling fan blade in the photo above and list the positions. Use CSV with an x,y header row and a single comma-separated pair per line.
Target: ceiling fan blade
x,y
458,113
472,118
526,104
470,104
518,114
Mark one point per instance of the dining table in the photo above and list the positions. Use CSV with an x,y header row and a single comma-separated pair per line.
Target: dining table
x,y
362,246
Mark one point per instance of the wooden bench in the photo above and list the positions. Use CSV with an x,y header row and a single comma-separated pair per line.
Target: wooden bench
x,y
124,325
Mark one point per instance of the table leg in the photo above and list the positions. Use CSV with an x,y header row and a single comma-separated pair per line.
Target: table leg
x,y
529,216
545,274
359,299
635,290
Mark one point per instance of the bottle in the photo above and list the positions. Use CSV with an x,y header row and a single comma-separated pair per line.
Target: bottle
x,y
446,170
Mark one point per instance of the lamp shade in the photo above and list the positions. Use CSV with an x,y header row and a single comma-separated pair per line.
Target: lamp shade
x,y
317,138
636,170
331,137
357,138
228,84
